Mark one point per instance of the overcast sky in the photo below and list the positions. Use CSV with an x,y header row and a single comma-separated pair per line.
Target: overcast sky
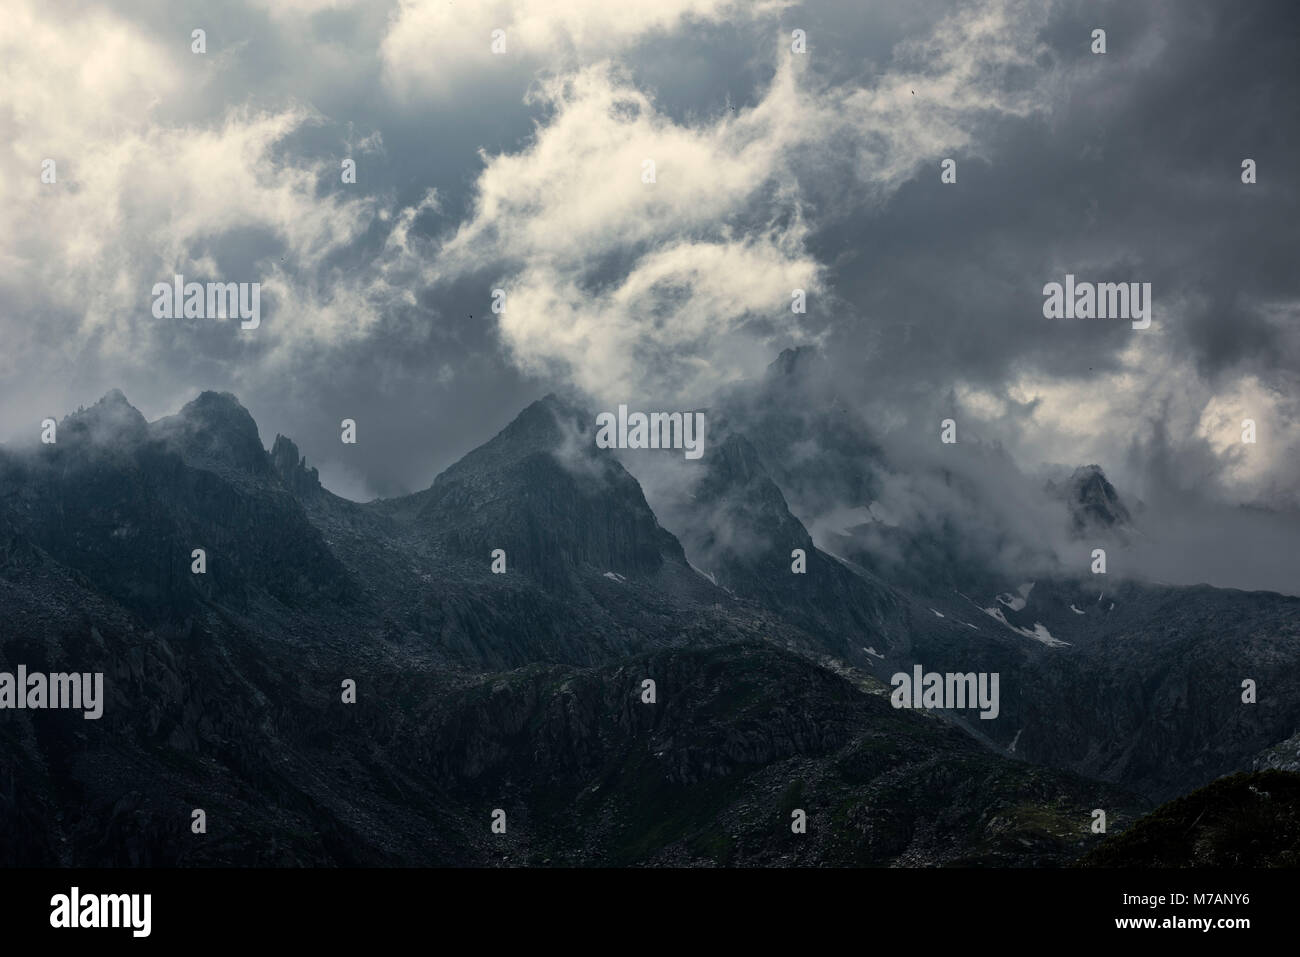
x,y
774,170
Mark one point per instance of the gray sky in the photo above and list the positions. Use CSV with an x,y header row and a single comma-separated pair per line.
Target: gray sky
x,y
773,170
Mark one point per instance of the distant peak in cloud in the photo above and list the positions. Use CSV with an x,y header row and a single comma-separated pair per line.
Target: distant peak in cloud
x,y
1094,504
215,427
797,361
110,421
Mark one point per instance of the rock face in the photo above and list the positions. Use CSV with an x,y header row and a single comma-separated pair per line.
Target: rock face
x,y
711,773
1093,502
292,468
742,532
814,448
215,432
1283,756
523,690
544,493
1245,820
1153,697
1129,681
126,504
740,738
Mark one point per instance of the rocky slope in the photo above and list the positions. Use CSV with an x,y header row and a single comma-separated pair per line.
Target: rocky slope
x,y
521,690
1244,820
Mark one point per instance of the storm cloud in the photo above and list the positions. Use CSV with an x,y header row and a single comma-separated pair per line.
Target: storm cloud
x,y
773,170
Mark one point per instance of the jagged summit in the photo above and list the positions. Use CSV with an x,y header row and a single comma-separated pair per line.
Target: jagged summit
x,y
740,530
1093,501
112,421
796,363
549,427
541,490
819,451
292,468
216,428
735,465
226,681
545,423
219,409
126,504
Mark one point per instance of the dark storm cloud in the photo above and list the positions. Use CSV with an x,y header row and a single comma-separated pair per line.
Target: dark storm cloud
x,y
926,297
1134,175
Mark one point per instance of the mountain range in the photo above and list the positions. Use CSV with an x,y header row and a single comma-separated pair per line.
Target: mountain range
x,y
500,628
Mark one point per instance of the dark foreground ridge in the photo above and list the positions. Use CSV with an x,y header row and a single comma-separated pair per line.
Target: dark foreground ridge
x,y
1244,820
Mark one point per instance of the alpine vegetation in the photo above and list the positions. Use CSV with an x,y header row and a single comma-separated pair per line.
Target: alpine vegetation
x,y
657,430
1105,300
948,691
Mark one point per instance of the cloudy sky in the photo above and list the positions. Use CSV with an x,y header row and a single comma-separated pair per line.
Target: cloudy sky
x,y
524,170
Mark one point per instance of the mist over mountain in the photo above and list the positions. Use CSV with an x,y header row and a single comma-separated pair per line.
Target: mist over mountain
x,y
480,687
1095,506
702,433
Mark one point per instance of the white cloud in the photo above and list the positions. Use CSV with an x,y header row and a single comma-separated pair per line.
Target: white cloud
x,y
675,287
138,199
435,49
287,9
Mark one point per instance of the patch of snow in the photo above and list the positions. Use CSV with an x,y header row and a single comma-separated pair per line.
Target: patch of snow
x,y
874,653
997,614
1112,607
1076,611
939,613
1012,746
703,573
614,576
1017,603
1040,633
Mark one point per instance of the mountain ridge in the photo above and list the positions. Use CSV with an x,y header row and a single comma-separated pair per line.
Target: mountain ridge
x,y
304,587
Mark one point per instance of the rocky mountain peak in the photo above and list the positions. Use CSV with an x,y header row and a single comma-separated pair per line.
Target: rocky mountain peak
x,y
215,429
292,467
735,465
541,490
796,362
112,421
1093,501
549,424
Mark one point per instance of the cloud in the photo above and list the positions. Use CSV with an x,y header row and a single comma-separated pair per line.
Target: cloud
x,y
676,279
434,49
139,199
289,9
774,171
